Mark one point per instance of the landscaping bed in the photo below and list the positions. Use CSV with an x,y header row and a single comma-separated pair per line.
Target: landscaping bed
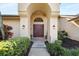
x,y
56,49
19,46
28,50
64,46
69,43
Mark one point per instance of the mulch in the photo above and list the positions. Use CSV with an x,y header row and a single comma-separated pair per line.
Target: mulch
x,y
69,43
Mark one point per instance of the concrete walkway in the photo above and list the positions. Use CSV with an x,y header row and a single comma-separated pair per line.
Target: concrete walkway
x,y
38,49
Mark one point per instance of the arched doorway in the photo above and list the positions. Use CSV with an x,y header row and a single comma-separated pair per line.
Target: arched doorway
x,y
38,28
39,18
48,12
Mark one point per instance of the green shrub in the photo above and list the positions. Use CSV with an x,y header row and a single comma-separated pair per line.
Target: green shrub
x,y
58,42
75,52
57,50
66,52
14,47
62,35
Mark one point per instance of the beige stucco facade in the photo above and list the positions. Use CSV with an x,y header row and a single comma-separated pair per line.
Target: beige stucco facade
x,y
49,14
23,24
14,22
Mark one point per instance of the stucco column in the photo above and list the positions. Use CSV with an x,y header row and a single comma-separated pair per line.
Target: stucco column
x,y
24,25
53,28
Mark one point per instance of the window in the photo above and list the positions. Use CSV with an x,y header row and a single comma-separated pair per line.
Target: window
x,y
38,20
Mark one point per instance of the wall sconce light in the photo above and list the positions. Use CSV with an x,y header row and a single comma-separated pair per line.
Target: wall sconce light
x,y
54,26
23,26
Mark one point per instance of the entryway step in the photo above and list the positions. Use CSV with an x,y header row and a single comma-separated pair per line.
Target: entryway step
x,y
38,44
38,48
38,52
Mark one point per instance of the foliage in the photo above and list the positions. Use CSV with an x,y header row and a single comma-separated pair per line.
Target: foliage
x,y
55,49
75,52
62,35
14,47
7,31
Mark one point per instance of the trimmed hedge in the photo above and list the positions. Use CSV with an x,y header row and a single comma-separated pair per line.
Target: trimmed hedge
x,y
55,49
14,47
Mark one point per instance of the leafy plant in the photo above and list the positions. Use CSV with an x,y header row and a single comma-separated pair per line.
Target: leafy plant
x,y
15,47
62,35
7,32
55,49
75,52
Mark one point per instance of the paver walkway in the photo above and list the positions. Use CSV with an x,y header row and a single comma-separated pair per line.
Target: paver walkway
x,y
38,49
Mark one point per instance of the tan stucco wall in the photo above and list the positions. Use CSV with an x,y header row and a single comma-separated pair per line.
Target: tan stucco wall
x,y
26,30
14,22
51,13
53,30
70,28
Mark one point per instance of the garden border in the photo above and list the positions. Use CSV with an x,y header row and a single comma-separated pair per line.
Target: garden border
x,y
46,42
28,50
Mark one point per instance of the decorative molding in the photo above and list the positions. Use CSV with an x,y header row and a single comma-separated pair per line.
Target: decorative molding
x,y
55,13
22,13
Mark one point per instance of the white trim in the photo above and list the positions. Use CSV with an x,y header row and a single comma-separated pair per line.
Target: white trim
x,y
38,23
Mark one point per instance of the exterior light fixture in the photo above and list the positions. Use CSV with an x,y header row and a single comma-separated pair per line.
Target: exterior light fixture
x,y
23,26
54,26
